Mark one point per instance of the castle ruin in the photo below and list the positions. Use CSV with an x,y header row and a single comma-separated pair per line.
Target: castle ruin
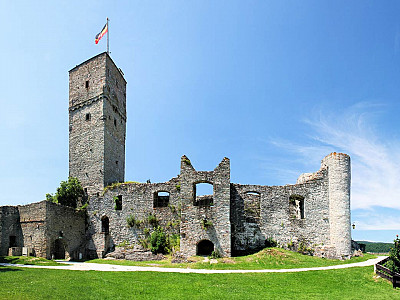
x,y
234,219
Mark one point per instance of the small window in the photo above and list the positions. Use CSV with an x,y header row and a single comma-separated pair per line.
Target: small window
x,y
87,117
87,84
118,202
161,199
115,122
203,194
116,162
296,206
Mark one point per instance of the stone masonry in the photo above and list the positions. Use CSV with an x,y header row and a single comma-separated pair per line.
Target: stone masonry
x,y
311,216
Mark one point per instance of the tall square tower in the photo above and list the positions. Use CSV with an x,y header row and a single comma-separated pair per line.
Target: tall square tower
x,y
97,123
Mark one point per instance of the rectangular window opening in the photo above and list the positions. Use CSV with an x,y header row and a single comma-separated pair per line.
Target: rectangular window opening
x,y
161,199
87,84
13,241
118,202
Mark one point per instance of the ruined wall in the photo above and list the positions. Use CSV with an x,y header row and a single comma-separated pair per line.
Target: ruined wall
x,y
320,223
277,219
137,201
192,232
67,225
9,226
33,224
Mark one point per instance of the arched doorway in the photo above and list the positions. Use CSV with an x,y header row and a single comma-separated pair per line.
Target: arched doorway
x,y
59,249
205,247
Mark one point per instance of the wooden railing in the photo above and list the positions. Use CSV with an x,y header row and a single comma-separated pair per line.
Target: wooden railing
x,y
386,273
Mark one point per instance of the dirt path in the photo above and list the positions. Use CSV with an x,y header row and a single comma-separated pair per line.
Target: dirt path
x,y
77,266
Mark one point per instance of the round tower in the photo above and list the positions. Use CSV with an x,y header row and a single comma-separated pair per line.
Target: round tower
x,y
339,177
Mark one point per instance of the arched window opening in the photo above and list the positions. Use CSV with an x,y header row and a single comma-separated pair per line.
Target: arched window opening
x,y
251,201
256,194
296,206
105,225
203,193
204,247
161,199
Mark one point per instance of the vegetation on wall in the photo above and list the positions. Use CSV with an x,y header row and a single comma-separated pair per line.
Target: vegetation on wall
x,y
206,224
115,185
69,193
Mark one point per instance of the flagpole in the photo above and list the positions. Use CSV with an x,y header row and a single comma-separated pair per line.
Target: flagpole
x,y
108,30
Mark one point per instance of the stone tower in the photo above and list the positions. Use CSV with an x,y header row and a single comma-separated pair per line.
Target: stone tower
x,y
339,179
97,123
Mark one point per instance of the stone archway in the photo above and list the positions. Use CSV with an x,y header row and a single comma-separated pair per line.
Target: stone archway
x,y
204,247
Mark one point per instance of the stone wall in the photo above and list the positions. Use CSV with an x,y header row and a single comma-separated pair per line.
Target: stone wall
x,y
137,202
218,214
276,218
312,215
33,224
67,225
38,225
9,226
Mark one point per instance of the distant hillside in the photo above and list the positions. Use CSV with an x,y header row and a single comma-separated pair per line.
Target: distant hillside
x,y
376,247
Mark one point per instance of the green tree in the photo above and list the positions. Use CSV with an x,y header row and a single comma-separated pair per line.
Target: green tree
x,y
68,193
394,256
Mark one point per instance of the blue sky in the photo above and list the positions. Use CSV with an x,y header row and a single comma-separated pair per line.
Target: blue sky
x,y
273,85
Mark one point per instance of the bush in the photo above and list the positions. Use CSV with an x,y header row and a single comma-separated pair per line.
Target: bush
x,y
215,254
158,241
131,221
394,256
270,242
152,219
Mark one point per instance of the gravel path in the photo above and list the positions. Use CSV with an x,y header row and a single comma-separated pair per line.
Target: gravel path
x,y
78,266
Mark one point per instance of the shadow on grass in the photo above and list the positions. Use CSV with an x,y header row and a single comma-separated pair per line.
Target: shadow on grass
x,y
7,269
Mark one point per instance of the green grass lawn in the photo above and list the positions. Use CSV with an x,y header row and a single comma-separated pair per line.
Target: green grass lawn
x,y
28,260
352,283
269,258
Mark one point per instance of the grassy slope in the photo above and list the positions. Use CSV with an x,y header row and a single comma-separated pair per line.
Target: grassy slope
x,y
270,258
28,260
352,283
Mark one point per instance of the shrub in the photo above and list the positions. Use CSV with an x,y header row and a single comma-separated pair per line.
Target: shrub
x,y
215,254
124,244
173,243
131,221
394,256
152,219
270,242
158,241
